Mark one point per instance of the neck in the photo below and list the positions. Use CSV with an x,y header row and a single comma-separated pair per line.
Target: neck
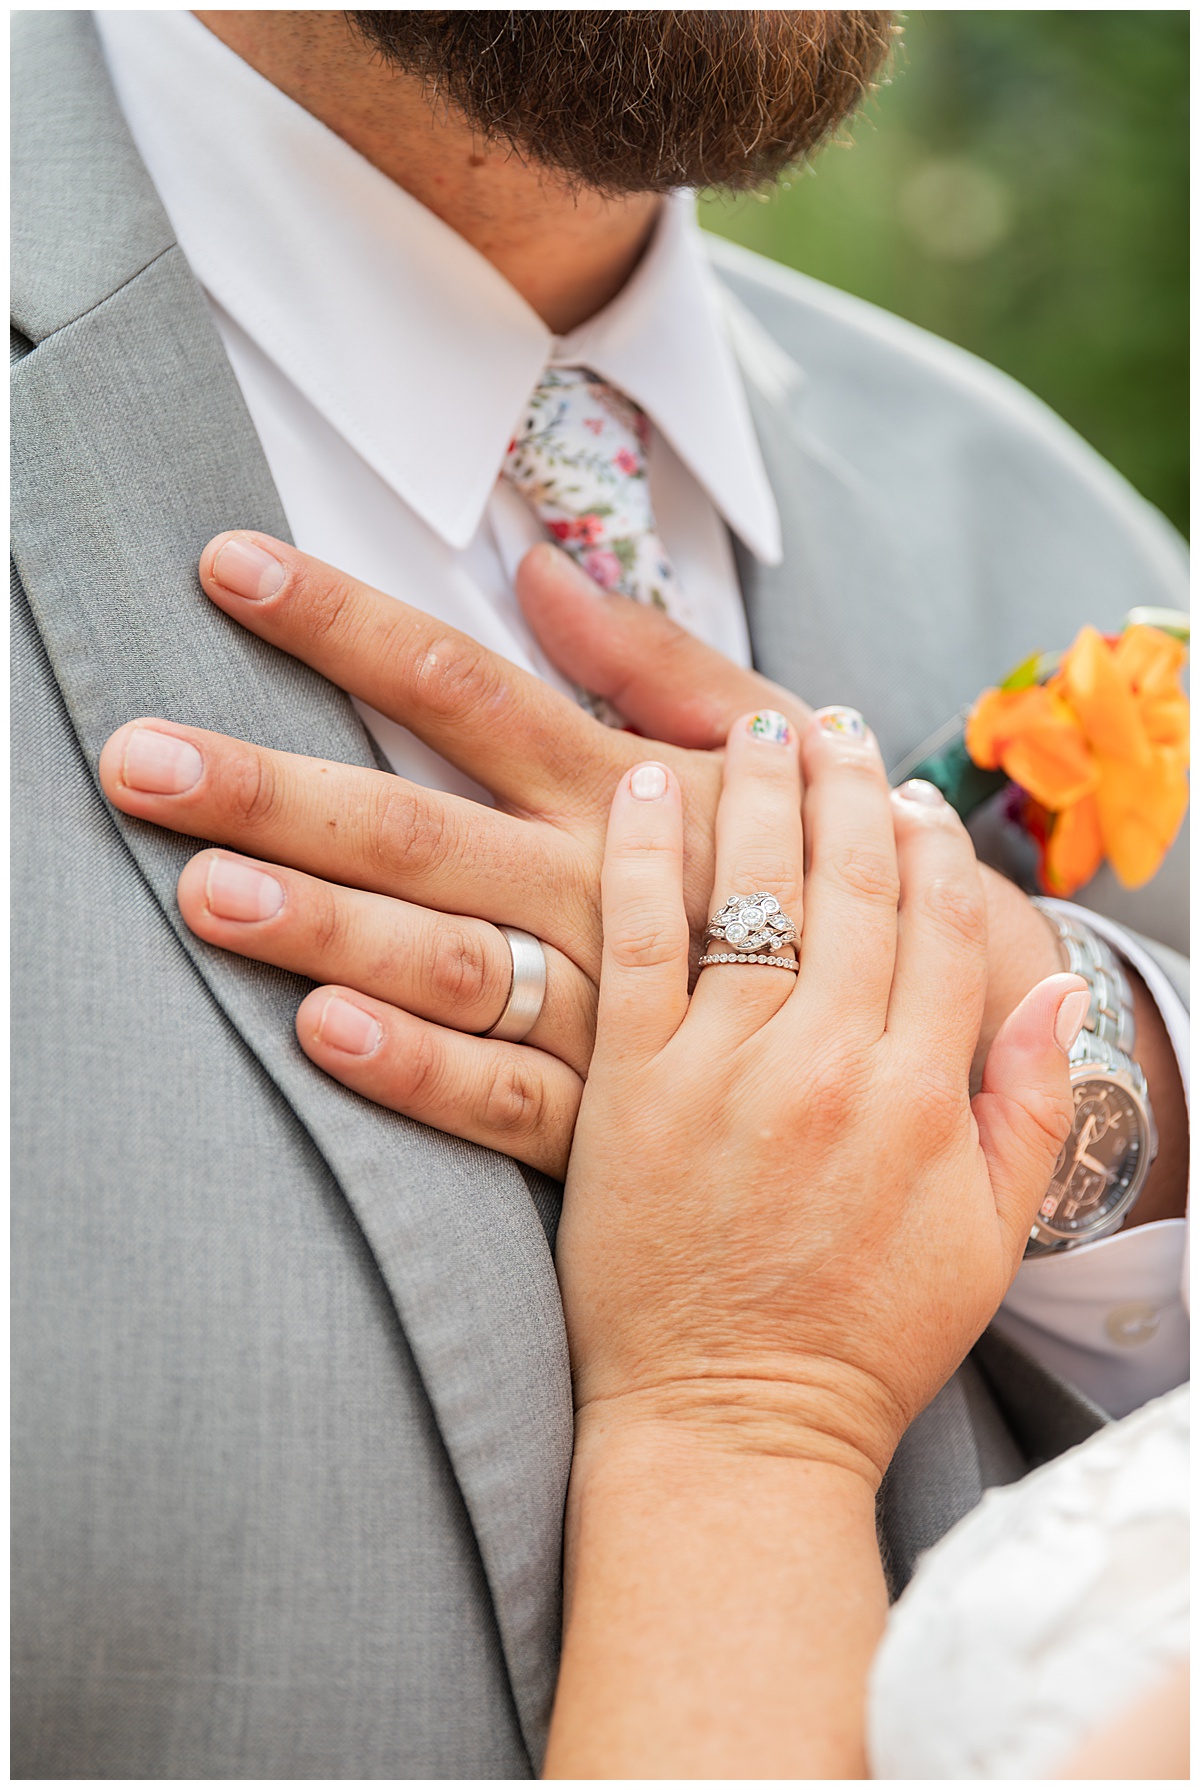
x,y
566,252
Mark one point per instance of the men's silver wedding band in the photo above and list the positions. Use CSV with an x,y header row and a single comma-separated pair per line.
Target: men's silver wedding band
x,y
528,989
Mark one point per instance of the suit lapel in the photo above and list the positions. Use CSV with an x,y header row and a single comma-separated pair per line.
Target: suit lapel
x,y
134,448
817,621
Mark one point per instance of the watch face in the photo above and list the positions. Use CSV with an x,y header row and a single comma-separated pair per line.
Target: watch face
x,y
1100,1163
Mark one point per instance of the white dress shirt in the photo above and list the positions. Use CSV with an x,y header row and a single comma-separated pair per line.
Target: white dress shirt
x,y
385,364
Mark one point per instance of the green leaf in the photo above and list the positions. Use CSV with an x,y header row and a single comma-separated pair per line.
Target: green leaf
x,y
1025,675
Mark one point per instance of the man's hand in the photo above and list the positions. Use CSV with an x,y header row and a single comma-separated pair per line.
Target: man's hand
x,y
389,894
358,878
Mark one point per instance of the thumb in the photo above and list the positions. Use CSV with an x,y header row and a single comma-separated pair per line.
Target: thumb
x,y
1024,1109
661,679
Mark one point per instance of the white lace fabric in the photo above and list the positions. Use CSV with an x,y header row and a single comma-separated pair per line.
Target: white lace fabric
x,y
1059,1601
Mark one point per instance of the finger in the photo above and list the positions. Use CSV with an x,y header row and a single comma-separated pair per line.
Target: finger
x,y
662,680
1024,1109
519,1101
940,978
852,886
760,851
441,967
643,983
504,727
355,826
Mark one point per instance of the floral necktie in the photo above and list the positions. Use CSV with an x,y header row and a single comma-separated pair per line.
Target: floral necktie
x,y
579,460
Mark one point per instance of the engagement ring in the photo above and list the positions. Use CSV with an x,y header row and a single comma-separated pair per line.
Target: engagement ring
x,y
750,924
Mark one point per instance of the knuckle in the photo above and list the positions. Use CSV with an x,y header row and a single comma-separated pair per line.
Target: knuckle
x,y
514,1102
327,923
648,941
329,604
419,1069
867,873
1050,1117
254,790
454,679
407,828
674,647
850,764
834,1090
958,910
464,973
647,637
765,869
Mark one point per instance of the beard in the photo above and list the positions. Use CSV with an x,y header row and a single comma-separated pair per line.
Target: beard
x,y
642,102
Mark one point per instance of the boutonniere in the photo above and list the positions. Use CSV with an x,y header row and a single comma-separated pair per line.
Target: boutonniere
x,y
1090,747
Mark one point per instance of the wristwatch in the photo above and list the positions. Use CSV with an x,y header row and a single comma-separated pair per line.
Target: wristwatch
x,y
1113,1141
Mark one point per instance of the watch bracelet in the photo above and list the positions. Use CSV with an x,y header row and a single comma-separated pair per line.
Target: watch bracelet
x,y
1105,1042
1090,1052
1110,1015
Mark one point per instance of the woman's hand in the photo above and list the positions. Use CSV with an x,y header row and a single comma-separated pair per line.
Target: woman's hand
x,y
785,1221
386,893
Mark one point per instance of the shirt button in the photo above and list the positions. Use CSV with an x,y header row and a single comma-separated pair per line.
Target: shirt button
x,y
1131,1325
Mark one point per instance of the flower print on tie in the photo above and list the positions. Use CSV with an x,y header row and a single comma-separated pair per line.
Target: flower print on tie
x,y
579,461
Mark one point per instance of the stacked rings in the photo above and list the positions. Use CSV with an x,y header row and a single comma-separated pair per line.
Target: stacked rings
x,y
756,927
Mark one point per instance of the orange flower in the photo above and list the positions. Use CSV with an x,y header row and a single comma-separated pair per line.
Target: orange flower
x,y
1102,748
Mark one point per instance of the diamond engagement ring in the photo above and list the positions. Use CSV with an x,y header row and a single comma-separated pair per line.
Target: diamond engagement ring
x,y
756,927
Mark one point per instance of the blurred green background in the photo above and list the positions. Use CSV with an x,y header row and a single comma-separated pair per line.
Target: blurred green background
x,y
1021,187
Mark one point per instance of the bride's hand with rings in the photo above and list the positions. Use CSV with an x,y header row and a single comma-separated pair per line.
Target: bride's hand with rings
x,y
785,1224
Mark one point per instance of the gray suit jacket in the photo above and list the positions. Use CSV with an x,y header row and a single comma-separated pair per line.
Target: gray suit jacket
x,y
292,1415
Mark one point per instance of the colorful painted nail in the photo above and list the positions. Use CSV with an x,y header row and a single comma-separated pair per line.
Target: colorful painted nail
x,y
847,722
769,724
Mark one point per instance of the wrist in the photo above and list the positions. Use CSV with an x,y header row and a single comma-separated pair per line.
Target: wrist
x,y
821,1414
722,1606
716,1473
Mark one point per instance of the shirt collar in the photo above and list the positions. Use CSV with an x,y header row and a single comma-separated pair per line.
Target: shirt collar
x,y
401,334
663,340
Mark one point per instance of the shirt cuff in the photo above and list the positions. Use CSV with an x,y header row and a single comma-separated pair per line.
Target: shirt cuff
x,y
1111,1316
1108,1316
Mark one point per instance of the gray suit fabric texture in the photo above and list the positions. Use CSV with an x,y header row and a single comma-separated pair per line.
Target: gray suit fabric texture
x,y
292,1406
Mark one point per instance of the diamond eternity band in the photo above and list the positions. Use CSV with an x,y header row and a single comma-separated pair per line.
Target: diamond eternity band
x,y
773,963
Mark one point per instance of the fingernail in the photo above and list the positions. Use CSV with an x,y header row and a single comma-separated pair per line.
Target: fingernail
x,y
348,1028
248,571
1068,1022
159,764
847,722
236,891
770,725
648,782
917,790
